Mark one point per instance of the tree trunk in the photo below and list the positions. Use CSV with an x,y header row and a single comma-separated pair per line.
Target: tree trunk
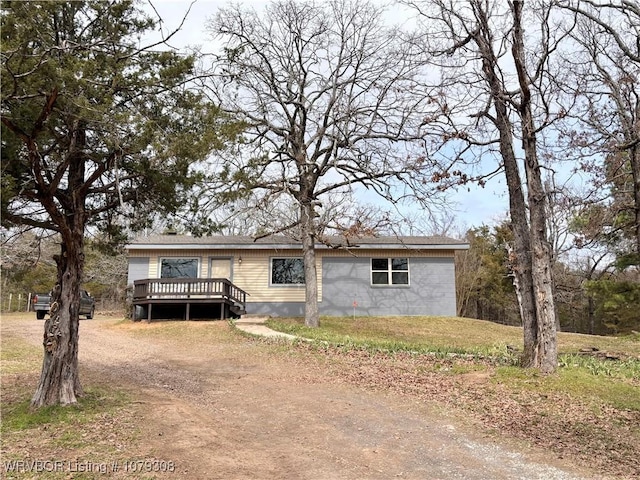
x,y
59,380
311,313
591,314
521,258
545,356
531,260
634,159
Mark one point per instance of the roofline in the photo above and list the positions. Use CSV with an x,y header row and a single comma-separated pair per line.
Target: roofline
x,y
281,246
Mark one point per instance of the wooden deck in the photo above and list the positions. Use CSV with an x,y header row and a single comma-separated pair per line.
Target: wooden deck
x,y
152,292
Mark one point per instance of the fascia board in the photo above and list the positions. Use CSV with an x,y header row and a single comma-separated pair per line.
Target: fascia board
x,y
262,246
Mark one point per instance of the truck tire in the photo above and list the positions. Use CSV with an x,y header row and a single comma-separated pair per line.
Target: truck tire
x,y
90,314
40,314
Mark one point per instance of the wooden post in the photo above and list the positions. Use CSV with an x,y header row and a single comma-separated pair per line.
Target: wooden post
x,y
187,311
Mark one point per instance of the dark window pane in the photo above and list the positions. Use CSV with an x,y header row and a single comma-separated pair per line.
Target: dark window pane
x,y
379,264
400,278
287,271
399,264
179,268
380,278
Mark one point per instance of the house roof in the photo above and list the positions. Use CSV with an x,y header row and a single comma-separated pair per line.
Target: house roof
x,y
187,242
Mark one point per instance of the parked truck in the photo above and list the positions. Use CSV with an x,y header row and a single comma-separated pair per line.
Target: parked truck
x,y
41,303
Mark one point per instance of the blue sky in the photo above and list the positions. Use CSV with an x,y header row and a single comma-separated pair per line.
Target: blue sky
x,y
488,205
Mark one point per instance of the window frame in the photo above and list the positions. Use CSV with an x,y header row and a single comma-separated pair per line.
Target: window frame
x,y
197,260
389,272
274,284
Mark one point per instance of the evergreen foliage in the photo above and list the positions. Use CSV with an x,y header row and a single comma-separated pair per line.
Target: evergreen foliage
x,y
98,131
75,81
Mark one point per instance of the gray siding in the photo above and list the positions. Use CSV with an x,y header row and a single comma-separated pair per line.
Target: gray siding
x,y
345,279
138,269
431,290
276,309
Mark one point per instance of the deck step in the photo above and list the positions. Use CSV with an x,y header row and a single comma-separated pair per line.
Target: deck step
x,y
237,310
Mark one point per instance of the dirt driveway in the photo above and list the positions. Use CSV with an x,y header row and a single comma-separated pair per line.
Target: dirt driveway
x,y
223,406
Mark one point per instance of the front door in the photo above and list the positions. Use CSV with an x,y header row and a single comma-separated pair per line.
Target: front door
x,y
220,268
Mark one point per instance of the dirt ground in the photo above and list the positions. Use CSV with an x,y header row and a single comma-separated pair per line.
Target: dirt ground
x,y
241,408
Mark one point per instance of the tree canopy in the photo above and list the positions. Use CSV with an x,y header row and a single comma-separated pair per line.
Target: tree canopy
x,y
78,88
98,130
331,98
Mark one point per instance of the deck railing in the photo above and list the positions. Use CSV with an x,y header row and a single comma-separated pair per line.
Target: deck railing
x,y
187,289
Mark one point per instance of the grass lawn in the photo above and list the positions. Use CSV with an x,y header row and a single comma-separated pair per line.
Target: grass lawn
x,y
464,335
589,409
612,382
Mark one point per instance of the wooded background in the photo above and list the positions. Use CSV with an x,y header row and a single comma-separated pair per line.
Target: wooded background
x,y
590,300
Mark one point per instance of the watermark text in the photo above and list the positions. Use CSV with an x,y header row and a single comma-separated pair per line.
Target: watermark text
x,y
87,466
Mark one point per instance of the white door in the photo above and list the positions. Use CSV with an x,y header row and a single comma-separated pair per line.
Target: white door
x,y
220,268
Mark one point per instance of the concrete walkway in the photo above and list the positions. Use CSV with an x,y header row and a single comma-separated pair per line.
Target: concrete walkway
x,y
255,325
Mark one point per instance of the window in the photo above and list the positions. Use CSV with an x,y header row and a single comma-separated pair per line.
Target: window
x,y
179,268
390,271
287,271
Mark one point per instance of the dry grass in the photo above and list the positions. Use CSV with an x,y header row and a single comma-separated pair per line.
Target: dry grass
x,y
99,426
18,356
589,411
611,382
443,333
184,331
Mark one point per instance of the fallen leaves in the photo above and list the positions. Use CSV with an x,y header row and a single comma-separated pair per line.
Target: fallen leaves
x,y
599,436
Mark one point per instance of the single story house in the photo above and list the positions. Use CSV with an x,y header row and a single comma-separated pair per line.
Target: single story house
x,y
233,275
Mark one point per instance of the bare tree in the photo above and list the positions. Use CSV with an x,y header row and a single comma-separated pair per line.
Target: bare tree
x,y
331,99
606,124
26,259
496,91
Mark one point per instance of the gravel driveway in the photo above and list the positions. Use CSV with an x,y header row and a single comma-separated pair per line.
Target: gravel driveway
x,y
225,406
